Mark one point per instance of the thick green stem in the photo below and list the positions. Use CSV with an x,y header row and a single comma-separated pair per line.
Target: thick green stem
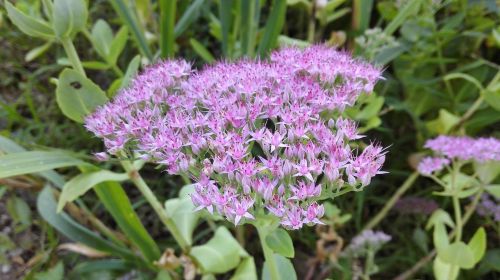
x,y
263,231
73,58
395,197
458,218
153,201
423,261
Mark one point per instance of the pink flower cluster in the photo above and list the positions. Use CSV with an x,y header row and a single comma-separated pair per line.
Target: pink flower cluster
x,y
256,136
462,148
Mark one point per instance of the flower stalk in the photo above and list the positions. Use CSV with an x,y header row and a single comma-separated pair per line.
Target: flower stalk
x,y
141,185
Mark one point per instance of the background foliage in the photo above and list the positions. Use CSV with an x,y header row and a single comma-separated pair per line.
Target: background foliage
x,y
62,58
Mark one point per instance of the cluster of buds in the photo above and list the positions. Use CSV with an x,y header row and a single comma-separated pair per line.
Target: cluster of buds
x,y
255,136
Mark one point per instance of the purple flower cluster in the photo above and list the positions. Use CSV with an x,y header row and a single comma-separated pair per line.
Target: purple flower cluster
x,y
463,148
252,134
367,240
489,206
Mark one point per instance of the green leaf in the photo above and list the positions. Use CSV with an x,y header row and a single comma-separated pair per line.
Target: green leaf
x,y
443,123
30,162
280,242
128,17
19,211
362,14
80,184
249,11
273,27
182,212
9,146
201,50
54,273
29,25
102,37
132,69
225,17
114,198
167,24
494,190
439,217
95,65
442,270
478,244
492,97
409,9
488,171
163,275
38,51
191,14
246,270
69,17
284,41
458,254
117,45
89,267
285,268
440,238
78,96
466,77
46,206
462,181
220,254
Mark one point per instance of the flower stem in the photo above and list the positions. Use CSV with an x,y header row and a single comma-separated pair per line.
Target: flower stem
x,y
263,231
153,201
73,58
423,261
458,218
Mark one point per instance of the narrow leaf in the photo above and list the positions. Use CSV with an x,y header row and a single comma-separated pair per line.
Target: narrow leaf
x,y
167,25
273,27
29,25
80,184
201,51
128,17
46,206
114,198
35,161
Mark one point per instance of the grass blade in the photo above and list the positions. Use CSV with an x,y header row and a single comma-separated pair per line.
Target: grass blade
x,y
412,7
248,26
201,50
114,198
167,25
46,205
273,27
20,163
225,8
129,18
362,10
190,15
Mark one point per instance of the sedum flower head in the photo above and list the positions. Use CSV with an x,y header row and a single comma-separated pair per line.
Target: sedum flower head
x,y
461,148
256,136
